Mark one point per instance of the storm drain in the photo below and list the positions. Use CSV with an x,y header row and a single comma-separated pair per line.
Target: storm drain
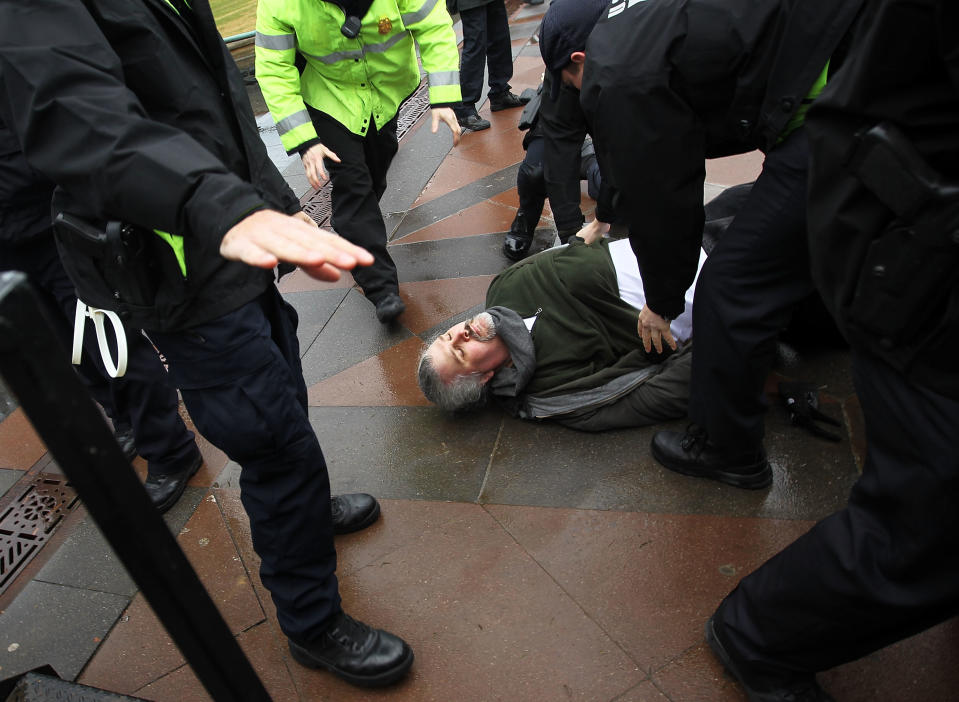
x,y
30,520
317,203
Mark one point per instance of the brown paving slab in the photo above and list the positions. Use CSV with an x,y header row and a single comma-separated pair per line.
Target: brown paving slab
x,y
298,281
138,650
484,620
650,580
733,170
430,302
527,73
482,218
644,692
499,146
386,380
696,676
264,652
20,447
510,198
454,173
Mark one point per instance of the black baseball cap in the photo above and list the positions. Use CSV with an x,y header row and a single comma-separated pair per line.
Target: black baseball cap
x,y
565,29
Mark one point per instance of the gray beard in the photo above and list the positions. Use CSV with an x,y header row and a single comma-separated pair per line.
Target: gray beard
x,y
486,319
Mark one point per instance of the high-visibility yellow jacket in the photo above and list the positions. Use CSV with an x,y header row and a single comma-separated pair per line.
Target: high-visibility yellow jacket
x,y
352,80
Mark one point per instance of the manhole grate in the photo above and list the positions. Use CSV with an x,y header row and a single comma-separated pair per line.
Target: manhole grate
x,y
30,520
317,203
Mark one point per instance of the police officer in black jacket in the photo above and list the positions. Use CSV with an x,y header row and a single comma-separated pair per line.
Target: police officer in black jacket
x,y
666,84
135,109
142,400
884,242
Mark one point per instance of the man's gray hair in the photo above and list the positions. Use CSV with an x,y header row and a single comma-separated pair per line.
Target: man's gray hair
x,y
465,392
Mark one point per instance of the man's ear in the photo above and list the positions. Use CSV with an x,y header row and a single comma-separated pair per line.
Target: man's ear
x,y
484,378
578,57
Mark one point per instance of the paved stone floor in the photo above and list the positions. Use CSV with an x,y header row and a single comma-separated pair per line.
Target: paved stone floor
x,y
522,561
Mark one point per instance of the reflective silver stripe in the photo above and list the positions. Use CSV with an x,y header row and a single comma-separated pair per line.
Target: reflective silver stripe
x,y
414,17
278,42
358,53
444,78
295,120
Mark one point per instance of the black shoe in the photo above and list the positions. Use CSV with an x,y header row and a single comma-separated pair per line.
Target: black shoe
x,y
389,308
473,122
505,101
692,454
353,512
164,490
358,653
587,157
762,686
123,433
518,238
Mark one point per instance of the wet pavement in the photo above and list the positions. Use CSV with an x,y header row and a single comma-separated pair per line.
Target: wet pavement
x,y
522,561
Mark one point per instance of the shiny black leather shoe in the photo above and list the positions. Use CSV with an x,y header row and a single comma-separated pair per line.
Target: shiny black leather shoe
x,y
165,490
505,101
358,653
691,453
518,239
764,687
389,308
473,122
353,512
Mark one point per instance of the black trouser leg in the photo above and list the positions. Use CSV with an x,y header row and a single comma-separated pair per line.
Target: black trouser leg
x,y
472,57
883,568
745,295
531,182
359,180
499,50
241,380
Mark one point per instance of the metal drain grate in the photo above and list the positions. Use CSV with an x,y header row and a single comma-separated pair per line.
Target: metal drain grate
x,y
29,521
317,203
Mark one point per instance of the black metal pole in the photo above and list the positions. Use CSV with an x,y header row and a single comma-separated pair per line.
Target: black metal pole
x,y
35,368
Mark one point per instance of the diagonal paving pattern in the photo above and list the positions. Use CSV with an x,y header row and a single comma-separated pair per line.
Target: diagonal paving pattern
x,y
522,561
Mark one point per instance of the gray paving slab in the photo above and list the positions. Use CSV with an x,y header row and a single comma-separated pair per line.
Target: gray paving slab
x,y
456,201
421,153
450,258
551,466
56,625
314,309
8,477
417,453
86,561
351,335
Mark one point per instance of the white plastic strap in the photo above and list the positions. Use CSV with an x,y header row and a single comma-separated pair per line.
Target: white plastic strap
x,y
116,370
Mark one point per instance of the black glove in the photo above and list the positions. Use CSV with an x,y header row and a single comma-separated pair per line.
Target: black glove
x,y
802,401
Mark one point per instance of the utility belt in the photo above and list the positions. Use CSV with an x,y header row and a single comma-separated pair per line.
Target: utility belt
x,y
907,287
122,260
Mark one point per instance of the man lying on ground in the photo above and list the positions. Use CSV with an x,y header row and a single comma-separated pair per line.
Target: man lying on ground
x,y
560,340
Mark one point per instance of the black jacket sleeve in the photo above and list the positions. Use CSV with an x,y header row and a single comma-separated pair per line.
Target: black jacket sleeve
x,y
657,164
62,91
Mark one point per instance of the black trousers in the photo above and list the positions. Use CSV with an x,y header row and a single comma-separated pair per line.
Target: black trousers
x,y
883,568
143,397
753,279
242,383
486,42
359,181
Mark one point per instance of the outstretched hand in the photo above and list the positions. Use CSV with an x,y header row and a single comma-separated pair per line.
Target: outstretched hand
x,y
446,114
313,164
266,237
653,329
